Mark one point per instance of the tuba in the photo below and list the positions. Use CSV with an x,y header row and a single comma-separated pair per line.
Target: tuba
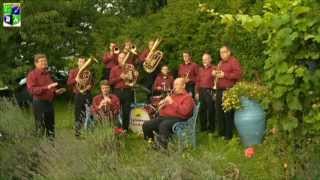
x,y
153,58
84,76
129,70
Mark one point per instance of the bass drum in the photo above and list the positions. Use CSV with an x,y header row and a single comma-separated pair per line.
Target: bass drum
x,y
138,116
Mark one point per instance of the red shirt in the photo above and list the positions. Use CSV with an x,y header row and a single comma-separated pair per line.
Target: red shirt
x,y
232,73
115,79
205,78
115,104
131,58
181,107
191,68
37,84
110,60
143,55
72,80
165,82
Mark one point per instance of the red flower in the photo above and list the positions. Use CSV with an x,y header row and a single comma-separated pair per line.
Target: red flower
x,y
119,131
249,152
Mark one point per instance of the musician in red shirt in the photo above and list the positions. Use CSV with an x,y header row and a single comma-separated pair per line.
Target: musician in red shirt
x,y
43,90
106,106
174,108
189,71
147,78
204,84
123,91
82,100
130,47
228,73
110,59
164,81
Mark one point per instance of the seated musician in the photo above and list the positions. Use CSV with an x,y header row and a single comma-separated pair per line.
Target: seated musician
x,y
174,108
163,82
106,106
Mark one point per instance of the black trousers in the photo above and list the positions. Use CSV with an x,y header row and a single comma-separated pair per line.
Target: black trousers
x,y
225,119
107,71
207,110
161,125
80,102
190,88
126,99
44,117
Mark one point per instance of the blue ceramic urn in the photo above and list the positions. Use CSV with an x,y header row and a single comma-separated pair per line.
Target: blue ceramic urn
x,y
250,122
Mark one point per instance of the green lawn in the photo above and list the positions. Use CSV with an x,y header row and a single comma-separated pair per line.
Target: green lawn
x,y
213,155
102,155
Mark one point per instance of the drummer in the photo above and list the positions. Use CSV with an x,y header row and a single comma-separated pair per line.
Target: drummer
x,y
163,83
175,108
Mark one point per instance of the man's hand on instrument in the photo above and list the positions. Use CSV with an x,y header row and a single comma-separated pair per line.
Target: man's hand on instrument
x,y
123,76
102,103
52,85
197,96
220,74
168,100
107,100
214,73
60,91
159,88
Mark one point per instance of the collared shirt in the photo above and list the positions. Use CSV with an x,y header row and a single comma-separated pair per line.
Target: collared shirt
x,y
72,80
165,82
114,105
232,73
143,55
182,106
191,69
115,79
37,84
110,60
205,78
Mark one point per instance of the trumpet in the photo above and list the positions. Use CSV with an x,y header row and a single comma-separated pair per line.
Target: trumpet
x,y
115,50
132,49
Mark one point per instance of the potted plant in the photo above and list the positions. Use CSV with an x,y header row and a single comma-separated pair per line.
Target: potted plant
x,y
245,98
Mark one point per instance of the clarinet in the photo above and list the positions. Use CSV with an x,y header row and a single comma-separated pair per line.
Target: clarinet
x,y
162,104
107,111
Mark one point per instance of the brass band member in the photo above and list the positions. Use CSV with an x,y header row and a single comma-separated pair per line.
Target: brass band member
x,y
110,59
148,78
106,106
81,99
43,90
175,108
228,73
204,85
129,46
123,91
189,71
163,82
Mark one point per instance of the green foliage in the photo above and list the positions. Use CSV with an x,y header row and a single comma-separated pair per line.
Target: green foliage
x,y
290,32
183,28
